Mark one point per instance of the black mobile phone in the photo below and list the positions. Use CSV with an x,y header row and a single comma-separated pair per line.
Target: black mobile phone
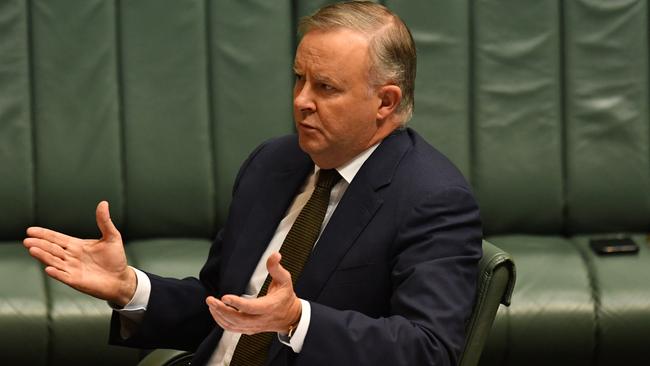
x,y
618,245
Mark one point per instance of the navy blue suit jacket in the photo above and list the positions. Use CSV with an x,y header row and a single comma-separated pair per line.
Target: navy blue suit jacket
x,y
390,282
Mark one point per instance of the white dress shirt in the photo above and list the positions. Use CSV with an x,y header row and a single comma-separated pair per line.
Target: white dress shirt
x,y
133,312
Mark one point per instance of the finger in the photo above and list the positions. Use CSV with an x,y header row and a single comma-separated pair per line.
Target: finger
x,y
104,222
225,325
58,274
226,310
229,318
223,322
46,246
214,304
211,301
254,306
279,275
50,235
46,258
218,318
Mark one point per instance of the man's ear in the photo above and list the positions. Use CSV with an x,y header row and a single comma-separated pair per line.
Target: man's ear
x,y
390,97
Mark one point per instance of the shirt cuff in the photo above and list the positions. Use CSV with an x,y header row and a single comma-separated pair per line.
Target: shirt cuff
x,y
132,313
140,298
298,338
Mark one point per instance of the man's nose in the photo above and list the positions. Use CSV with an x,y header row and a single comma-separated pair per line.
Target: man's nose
x,y
303,99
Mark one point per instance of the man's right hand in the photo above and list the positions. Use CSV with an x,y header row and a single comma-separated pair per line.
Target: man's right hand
x,y
95,267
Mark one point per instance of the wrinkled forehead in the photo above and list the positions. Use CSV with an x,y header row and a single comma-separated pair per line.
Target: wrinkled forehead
x,y
333,49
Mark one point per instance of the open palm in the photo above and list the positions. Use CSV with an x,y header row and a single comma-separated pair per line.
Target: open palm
x,y
97,267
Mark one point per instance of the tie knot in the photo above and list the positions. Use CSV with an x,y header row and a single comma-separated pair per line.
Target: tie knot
x,y
327,178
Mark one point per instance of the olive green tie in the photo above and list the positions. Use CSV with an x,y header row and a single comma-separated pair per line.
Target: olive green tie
x,y
251,350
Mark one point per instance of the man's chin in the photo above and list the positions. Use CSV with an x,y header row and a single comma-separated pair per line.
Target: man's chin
x,y
311,146
308,145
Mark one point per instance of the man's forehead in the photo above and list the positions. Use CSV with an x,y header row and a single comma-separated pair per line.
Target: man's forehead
x,y
309,54
320,47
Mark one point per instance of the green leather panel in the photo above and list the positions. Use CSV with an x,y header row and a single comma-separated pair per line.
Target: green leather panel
x,y
170,184
79,327
517,116
75,111
16,167
552,291
624,304
607,116
251,46
441,33
177,258
23,308
308,7
153,105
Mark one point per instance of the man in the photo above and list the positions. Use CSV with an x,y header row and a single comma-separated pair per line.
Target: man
x,y
388,276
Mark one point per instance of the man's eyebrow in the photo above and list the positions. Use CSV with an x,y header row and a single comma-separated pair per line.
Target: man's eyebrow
x,y
318,76
326,79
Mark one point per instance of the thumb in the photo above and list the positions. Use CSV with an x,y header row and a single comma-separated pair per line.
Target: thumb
x,y
104,222
279,275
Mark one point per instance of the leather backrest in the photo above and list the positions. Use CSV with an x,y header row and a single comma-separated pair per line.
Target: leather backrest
x,y
543,104
153,105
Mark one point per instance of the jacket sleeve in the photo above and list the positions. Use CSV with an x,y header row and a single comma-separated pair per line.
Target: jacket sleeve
x,y
177,316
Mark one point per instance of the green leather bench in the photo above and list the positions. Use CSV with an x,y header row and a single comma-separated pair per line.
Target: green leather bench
x,y
153,104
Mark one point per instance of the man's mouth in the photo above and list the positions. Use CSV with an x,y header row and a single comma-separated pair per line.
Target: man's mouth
x,y
306,126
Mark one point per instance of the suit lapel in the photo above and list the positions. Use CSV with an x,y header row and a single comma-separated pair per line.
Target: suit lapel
x,y
270,205
351,216
357,207
353,213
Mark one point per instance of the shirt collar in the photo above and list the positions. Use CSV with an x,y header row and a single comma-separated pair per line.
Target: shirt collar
x,y
351,168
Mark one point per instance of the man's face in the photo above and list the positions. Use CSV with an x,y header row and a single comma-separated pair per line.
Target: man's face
x,y
334,107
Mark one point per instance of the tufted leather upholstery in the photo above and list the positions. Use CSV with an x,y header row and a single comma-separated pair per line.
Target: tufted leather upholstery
x,y
153,105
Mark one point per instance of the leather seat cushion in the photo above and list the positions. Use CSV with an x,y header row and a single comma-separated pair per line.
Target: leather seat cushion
x,y
552,313
23,307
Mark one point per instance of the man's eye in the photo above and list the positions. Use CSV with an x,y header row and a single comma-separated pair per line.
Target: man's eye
x,y
326,87
298,76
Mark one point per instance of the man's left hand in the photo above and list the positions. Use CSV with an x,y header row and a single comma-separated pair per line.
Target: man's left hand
x,y
275,312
